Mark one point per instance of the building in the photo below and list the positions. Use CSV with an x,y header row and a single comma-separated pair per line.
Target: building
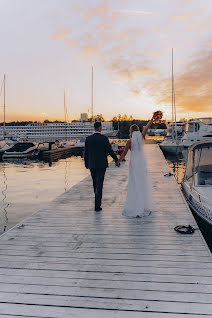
x,y
52,131
84,117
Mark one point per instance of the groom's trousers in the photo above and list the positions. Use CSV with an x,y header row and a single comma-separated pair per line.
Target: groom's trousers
x,y
98,175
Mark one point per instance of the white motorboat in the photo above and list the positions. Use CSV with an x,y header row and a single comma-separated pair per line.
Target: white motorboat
x,y
197,181
172,146
80,143
21,150
197,130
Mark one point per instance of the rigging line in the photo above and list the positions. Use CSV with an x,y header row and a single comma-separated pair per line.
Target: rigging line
x,y
2,85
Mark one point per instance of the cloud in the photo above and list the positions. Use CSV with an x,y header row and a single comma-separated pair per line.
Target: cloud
x,y
206,27
60,35
130,71
135,91
100,10
92,49
184,16
134,12
192,87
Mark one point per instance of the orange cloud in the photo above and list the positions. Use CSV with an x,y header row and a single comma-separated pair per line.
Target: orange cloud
x,y
192,88
206,27
90,49
126,70
135,91
61,35
184,16
100,10
105,27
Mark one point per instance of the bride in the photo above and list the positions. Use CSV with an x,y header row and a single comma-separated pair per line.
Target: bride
x,y
138,202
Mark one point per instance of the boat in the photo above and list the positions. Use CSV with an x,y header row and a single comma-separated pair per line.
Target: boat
x,y
47,132
6,140
115,146
172,146
80,143
21,150
197,130
197,181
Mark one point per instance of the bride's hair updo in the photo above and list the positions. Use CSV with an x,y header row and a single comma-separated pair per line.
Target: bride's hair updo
x,y
133,127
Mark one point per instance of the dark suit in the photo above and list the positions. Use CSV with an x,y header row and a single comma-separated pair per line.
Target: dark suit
x,y
97,148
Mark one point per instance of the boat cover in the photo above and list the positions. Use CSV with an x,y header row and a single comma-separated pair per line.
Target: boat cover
x,y
199,161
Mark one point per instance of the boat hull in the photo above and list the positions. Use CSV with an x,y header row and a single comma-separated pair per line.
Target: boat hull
x,y
18,155
172,149
202,211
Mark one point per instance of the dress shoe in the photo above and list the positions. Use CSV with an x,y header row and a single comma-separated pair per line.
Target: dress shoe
x,y
98,209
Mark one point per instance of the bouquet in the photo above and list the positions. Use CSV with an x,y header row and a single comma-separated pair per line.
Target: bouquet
x,y
157,115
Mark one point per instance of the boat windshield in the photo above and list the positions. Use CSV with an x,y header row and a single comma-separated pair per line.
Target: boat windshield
x,y
206,121
192,127
20,147
199,165
203,166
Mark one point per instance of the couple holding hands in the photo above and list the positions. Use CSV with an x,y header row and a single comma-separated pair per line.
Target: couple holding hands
x,y
97,148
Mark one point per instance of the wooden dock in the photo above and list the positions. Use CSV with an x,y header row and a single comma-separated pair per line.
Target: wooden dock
x,y
68,261
60,153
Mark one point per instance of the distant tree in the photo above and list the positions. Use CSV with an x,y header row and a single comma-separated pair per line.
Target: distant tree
x,y
98,117
46,121
119,118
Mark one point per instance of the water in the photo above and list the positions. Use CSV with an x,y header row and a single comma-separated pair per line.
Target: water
x,y
177,165
26,186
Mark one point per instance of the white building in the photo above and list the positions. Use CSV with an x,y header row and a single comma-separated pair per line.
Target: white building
x,y
84,117
53,131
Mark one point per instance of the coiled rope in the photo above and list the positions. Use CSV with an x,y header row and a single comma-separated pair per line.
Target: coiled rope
x,y
183,229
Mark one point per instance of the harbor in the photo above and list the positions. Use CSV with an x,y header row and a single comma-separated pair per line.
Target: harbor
x,y
105,159
66,260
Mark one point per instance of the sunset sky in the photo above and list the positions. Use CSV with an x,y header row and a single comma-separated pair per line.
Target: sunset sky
x,y
48,46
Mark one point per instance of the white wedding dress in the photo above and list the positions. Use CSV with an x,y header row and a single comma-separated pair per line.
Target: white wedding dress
x,y
139,195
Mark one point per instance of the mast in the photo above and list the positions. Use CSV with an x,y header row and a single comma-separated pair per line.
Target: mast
x,y
4,132
174,124
66,114
172,97
92,94
65,108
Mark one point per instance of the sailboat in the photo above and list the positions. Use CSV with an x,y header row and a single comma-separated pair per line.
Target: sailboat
x,y
7,142
173,145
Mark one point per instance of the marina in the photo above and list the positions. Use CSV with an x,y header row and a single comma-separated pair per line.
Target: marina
x,y
66,260
105,159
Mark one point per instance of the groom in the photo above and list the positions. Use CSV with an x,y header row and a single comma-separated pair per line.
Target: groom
x,y
97,148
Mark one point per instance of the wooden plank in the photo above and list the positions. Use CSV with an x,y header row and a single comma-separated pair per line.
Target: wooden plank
x,y
141,305
31,311
68,261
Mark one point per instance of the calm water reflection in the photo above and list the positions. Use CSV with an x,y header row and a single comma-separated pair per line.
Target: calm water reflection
x,y
177,165
26,186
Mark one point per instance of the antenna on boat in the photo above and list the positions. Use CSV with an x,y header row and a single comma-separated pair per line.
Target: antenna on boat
x,y
92,93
